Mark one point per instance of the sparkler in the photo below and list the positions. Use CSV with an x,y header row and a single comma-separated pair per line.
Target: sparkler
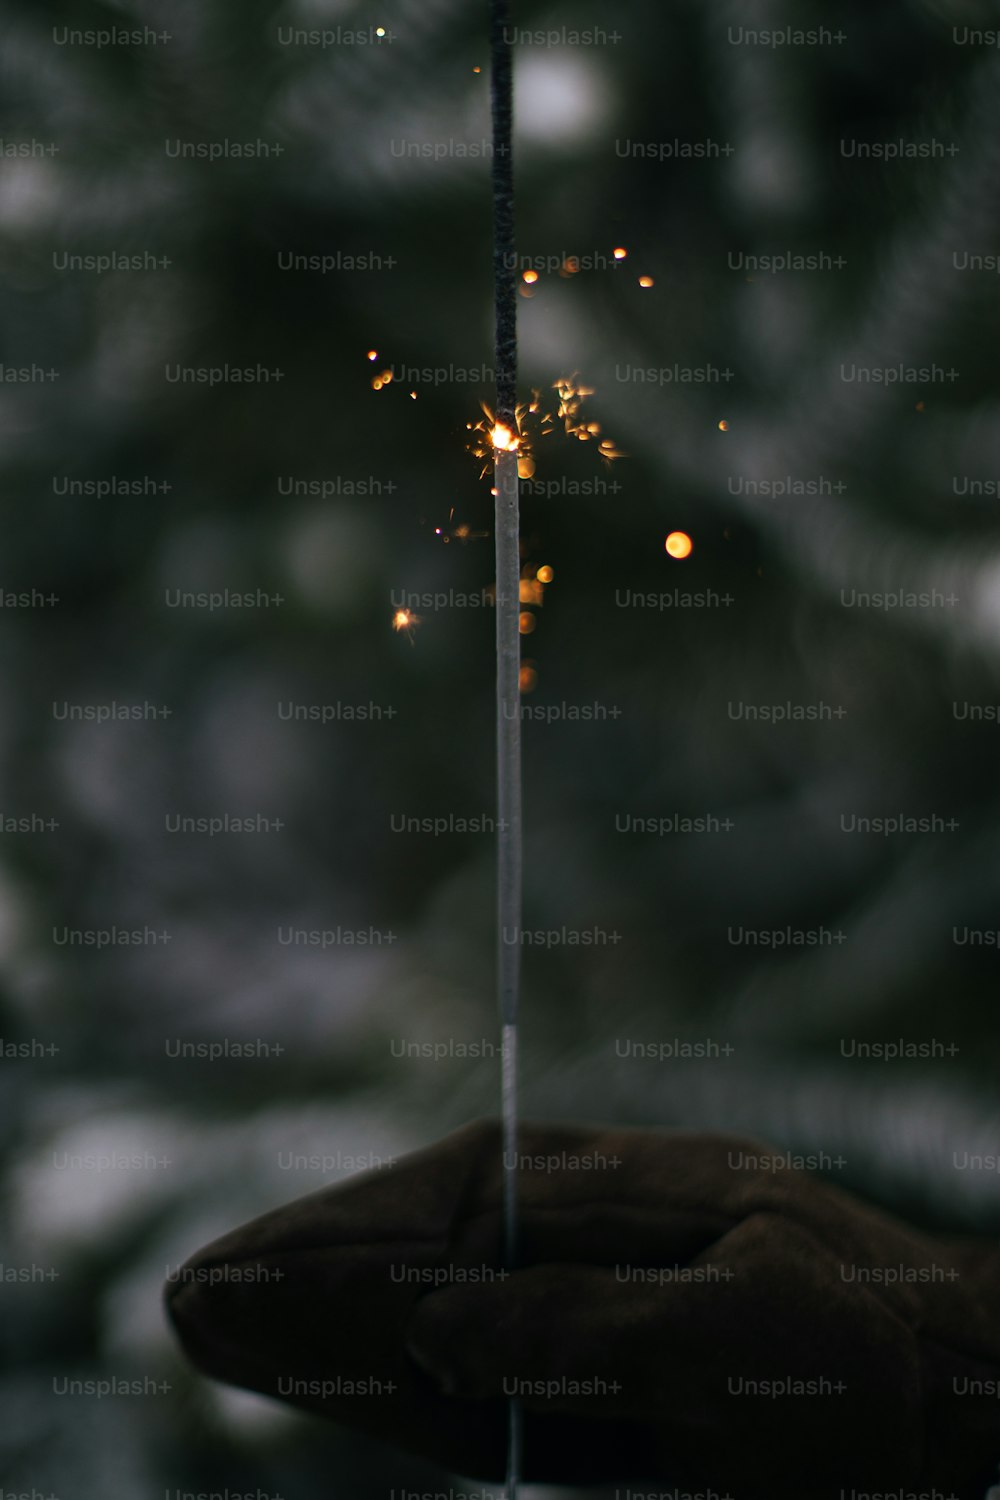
x,y
508,574
505,442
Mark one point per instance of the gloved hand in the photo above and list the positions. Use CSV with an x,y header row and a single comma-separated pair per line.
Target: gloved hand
x,y
688,1313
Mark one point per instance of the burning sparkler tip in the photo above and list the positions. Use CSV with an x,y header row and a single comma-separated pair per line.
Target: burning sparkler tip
x,y
491,437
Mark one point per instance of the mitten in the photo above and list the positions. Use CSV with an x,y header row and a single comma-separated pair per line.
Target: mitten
x,y
689,1310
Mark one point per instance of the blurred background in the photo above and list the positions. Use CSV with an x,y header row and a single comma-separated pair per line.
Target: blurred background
x,y
203,1021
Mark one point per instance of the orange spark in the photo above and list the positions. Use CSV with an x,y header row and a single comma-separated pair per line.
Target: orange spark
x,y
646,281
679,544
405,619
530,277
463,532
526,623
619,252
534,420
545,574
723,426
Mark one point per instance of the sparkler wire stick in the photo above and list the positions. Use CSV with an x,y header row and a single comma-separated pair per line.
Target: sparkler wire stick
x,y
508,598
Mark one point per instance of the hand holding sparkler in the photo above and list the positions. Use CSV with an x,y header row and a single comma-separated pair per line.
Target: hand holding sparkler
x,y
690,1310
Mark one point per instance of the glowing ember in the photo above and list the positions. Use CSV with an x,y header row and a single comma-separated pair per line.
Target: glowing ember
x,y
526,623
503,438
373,354
545,574
679,544
528,678
723,426
619,253
405,620
463,532
646,281
530,277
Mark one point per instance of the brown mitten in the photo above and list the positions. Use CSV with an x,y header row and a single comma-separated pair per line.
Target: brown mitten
x,y
691,1309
